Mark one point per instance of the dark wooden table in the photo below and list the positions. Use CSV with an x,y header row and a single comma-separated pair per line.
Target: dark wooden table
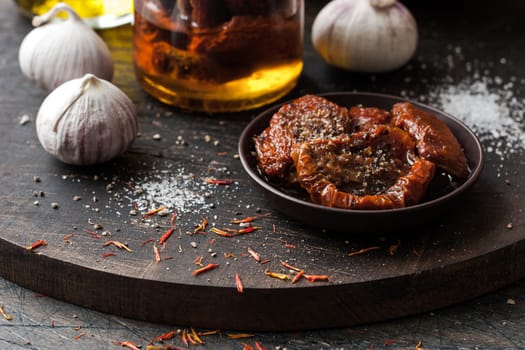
x,y
474,257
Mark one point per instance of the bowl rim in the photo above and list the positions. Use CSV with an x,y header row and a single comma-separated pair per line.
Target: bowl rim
x,y
247,134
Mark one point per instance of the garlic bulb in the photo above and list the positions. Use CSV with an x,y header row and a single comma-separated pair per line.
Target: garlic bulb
x,y
365,35
86,121
61,50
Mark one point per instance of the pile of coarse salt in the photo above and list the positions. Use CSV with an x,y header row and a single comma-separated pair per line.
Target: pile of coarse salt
x,y
179,191
489,107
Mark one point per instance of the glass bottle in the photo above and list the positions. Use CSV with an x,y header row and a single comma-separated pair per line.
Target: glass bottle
x,y
99,14
218,55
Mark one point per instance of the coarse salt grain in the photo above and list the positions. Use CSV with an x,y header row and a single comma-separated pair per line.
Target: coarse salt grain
x,y
178,191
488,106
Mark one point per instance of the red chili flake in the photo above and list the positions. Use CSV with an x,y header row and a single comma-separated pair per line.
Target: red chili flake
x,y
166,235
266,261
93,234
204,269
248,219
67,237
172,220
254,254
201,227
127,344
222,154
153,212
298,276
364,250
105,255
168,258
290,267
118,245
4,313
193,335
39,295
222,233
198,260
247,347
184,337
156,252
258,346
393,248
238,283
213,181
78,336
163,337
389,342
146,242
39,243
316,278
419,345
162,347
290,246
239,335
279,276
212,241
228,255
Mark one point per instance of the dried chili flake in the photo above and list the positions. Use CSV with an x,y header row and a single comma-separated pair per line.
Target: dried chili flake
x,y
419,345
195,336
166,235
173,217
212,241
258,346
166,336
212,332
162,347
248,219
67,237
247,347
277,275
198,260
4,313
184,337
222,233
364,250
156,253
106,255
254,254
228,255
202,226
146,242
266,261
239,335
389,342
393,248
298,276
213,181
238,283
317,278
93,234
204,269
118,245
39,243
127,344
78,336
290,267
153,212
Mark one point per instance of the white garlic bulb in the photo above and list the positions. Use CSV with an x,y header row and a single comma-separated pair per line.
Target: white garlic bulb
x,y
365,35
86,121
61,50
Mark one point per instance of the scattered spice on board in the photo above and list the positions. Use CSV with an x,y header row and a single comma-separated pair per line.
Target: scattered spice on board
x,y
419,345
364,250
201,227
37,244
204,269
156,253
152,212
392,249
166,336
162,347
118,245
277,275
67,238
166,235
107,255
239,335
213,181
78,336
238,283
5,314
93,234
127,344
254,254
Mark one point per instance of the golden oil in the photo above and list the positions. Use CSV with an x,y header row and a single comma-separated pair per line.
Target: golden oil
x,y
206,56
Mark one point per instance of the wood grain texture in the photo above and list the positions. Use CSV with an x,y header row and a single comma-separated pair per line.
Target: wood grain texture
x,y
469,252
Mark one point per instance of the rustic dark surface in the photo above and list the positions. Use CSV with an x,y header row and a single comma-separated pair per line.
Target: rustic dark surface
x,y
466,254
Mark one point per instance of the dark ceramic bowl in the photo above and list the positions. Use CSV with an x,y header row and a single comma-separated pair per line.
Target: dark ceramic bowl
x,y
363,221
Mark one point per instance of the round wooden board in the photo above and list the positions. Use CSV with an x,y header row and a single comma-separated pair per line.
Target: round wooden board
x,y
468,252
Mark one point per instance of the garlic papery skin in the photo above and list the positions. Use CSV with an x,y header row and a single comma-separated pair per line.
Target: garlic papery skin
x,y
365,35
57,51
86,121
